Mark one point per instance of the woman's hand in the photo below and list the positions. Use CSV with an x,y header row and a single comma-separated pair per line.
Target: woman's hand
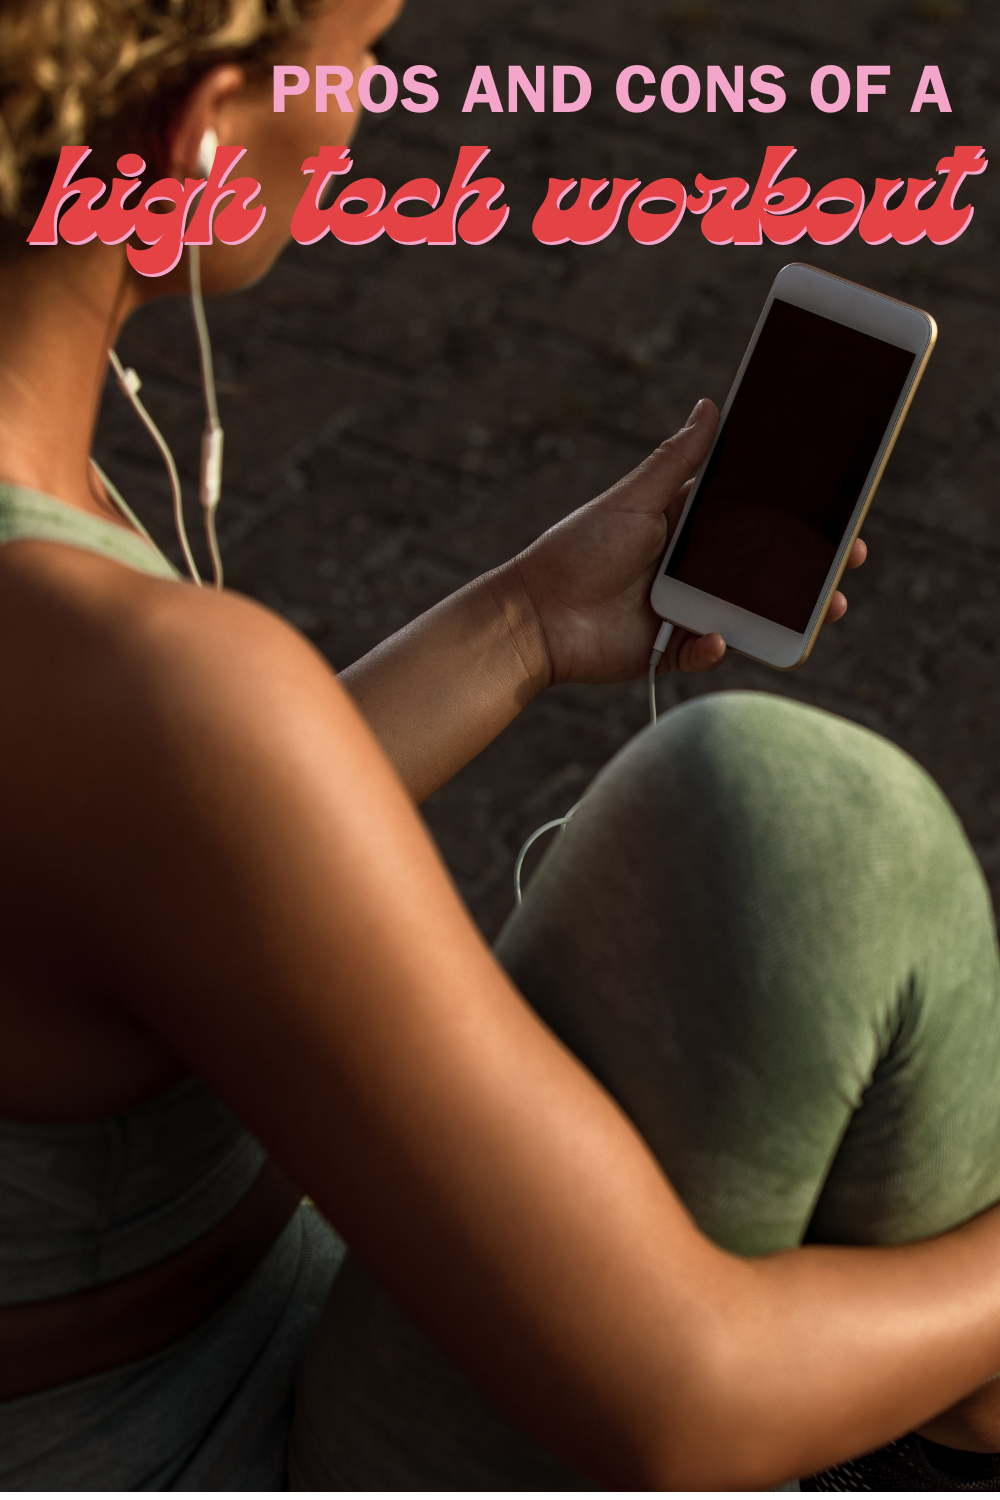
x,y
573,607
588,578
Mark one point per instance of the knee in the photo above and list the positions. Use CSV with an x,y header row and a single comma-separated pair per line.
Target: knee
x,y
755,766
757,815
754,739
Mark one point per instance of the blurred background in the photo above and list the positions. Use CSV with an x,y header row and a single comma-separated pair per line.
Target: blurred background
x,y
400,419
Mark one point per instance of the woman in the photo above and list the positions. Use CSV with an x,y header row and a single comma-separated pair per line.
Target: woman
x,y
214,871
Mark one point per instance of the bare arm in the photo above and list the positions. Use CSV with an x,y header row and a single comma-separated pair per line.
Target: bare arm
x,y
574,607
442,688
252,875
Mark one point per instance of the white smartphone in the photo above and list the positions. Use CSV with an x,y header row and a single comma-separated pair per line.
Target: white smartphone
x,y
802,441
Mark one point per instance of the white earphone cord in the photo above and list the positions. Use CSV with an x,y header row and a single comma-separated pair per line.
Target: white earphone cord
x,y
210,484
663,635
130,385
210,476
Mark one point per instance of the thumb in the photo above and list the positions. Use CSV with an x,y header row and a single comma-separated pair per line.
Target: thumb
x,y
650,488
678,458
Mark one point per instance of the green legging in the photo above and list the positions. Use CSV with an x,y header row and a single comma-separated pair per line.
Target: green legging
x,y
765,932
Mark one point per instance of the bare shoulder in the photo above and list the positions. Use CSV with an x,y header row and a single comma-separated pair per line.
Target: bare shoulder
x,y
109,659
170,741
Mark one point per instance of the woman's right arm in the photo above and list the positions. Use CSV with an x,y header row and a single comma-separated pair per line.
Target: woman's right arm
x,y
254,878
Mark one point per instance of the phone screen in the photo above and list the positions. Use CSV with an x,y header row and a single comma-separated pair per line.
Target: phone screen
x,y
789,465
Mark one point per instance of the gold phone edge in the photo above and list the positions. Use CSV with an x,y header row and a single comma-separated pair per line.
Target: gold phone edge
x,y
914,384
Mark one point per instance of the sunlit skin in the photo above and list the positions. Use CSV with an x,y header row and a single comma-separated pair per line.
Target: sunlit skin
x,y
191,881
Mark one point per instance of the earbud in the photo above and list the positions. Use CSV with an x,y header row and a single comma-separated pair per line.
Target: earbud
x,y
207,148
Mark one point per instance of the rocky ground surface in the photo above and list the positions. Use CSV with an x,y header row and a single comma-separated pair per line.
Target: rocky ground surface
x,y
400,419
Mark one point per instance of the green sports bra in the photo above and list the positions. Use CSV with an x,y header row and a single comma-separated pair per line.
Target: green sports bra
x,y
28,515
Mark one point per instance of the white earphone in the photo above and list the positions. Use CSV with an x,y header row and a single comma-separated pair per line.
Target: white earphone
x,y
210,481
207,147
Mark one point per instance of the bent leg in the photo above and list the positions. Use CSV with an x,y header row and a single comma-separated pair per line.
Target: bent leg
x,y
764,931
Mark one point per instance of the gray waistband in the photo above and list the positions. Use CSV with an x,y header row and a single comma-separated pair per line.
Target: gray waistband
x,y
84,1204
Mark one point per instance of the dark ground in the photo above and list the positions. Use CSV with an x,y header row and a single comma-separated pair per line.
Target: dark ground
x,y
400,419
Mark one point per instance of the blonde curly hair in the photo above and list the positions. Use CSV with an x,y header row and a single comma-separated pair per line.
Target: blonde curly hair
x,y
74,72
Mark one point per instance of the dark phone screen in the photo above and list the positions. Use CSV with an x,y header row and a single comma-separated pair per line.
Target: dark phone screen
x,y
790,463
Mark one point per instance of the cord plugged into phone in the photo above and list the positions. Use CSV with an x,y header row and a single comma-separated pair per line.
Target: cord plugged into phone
x,y
825,383
663,635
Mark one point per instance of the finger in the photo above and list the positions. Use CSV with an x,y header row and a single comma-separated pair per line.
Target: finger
x,y
857,554
654,484
838,604
837,610
700,653
679,457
